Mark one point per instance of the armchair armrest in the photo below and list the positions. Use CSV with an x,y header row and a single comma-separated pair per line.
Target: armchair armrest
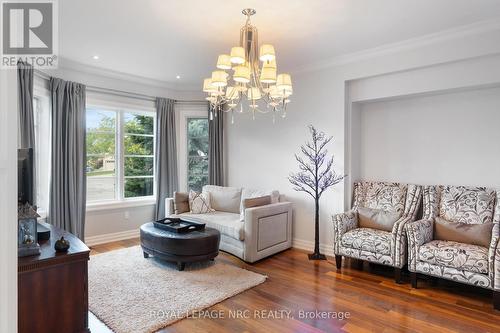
x,y
419,233
494,257
169,207
268,229
343,223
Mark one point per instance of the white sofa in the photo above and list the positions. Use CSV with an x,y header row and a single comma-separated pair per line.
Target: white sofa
x,y
250,234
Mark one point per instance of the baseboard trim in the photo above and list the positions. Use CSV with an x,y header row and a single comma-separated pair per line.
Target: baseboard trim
x,y
113,237
309,246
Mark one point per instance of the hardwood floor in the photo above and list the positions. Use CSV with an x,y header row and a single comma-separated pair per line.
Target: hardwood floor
x,y
371,298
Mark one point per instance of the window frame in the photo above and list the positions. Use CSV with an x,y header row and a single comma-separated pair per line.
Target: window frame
x,y
120,200
188,118
184,111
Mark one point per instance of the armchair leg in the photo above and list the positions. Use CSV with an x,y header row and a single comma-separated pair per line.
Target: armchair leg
x,y
496,300
338,261
413,278
397,275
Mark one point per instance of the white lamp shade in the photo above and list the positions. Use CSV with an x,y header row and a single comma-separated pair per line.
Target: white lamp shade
x,y
270,63
241,74
238,55
268,75
208,87
219,78
232,93
284,82
276,93
267,52
224,62
253,94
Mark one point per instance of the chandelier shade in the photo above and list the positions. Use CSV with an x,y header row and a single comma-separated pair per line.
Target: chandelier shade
x,y
247,77
219,78
224,62
241,74
237,55
267,52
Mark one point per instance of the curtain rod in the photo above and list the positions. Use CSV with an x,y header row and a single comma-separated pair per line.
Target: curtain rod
x,y
116,92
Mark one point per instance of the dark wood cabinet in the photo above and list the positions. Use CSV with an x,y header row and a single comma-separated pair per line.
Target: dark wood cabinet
x,y
53,287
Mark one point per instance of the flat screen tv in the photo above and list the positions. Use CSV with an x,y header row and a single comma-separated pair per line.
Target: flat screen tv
x,y
25,175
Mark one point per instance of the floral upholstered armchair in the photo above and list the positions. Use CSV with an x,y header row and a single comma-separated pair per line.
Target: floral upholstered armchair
x,y
397,204
473,215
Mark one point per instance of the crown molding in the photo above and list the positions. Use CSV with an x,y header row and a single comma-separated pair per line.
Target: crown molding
x,y
409,44
70,65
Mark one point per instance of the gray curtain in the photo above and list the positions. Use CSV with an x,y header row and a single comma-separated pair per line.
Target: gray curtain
x,y
26,117
68,182
166,154
215,147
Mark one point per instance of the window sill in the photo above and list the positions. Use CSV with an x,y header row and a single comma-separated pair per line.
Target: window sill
x,y
93,207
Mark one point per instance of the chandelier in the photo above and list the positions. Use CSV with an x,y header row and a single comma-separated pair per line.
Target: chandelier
x,y
246,79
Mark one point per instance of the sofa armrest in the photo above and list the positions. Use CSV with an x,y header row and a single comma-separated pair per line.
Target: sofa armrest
x,y
343,223
419,233
268,229
169,207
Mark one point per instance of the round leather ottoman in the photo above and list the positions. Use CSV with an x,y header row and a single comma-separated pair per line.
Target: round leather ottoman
x,y
179,247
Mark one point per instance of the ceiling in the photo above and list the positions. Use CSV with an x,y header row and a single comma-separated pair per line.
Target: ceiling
x,y
160,39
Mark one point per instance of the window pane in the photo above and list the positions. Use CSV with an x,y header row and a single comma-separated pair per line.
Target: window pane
x,y
139,145
138,124
101,147
100,143
196,182
138,187
139,166
101,120
101,180
198,146
198,127
198,165
197,151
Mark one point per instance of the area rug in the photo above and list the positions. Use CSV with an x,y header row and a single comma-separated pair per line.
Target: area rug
x,y
132,294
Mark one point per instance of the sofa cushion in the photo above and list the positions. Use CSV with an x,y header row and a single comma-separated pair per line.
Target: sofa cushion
x,y
461,256
224,199
181,202
372,240
474,205
474,234
227,223
377,218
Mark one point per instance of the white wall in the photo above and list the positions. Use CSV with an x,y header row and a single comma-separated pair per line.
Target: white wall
x,y
449,138
260,154
8,200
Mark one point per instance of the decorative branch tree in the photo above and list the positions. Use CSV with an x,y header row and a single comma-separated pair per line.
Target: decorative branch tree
x,y
316,175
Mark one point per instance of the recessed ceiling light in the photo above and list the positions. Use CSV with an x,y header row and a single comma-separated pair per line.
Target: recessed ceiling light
x,y
96,57
178,77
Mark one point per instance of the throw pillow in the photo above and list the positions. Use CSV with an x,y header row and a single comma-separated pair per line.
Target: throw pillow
x,y
474,234
377,218
181,202
254,202
199,203
224,199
